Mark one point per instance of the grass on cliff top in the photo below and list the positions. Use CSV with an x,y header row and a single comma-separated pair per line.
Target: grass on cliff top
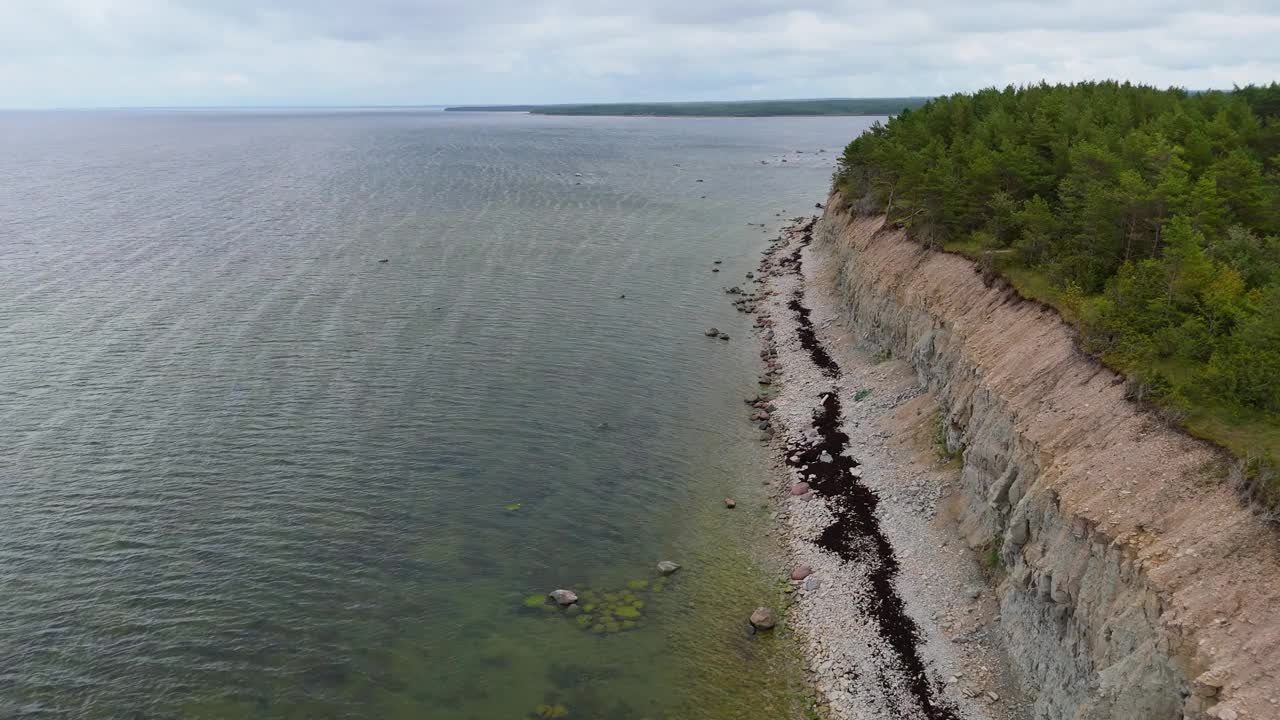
x,y
1246,434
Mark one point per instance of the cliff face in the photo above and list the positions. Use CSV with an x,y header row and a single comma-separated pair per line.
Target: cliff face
x,y
1136,585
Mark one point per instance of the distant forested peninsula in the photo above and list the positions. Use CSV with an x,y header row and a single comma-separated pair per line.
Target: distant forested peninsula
x,y
1150,218
748,108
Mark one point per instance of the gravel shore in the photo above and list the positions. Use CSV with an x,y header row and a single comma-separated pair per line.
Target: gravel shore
x,y
898,614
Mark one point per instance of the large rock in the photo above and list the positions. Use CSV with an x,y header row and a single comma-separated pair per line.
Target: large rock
x,y
563,597
764,618
666,567
801,572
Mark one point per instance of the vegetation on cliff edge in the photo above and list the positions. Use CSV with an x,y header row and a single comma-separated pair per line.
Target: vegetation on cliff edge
x,y
1150,218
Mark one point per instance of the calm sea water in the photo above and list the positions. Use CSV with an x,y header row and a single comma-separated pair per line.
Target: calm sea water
x,y
249,471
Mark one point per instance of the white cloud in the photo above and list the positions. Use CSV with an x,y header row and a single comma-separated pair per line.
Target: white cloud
x,y
280,52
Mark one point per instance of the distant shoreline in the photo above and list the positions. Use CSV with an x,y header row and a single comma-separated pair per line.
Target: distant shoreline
x,y
751,108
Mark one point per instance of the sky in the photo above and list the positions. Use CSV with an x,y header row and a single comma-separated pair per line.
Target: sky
x,y
123,53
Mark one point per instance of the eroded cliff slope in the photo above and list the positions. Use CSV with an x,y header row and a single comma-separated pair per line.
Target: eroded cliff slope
x,y
1135,585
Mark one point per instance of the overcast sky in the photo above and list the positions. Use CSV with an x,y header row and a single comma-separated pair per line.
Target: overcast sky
x,y
92,53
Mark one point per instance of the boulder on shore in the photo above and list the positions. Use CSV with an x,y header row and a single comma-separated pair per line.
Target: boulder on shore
x,y
666,567
764,618
801,572
799,489
563,597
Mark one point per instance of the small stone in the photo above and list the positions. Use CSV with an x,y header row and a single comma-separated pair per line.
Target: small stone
x,y
666,567
729,503
825,457
799,489
563,597
811,583
993,697
801,572
764,618
711,332
724,336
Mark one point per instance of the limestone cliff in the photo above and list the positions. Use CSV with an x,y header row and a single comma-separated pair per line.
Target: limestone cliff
x,y
1136,585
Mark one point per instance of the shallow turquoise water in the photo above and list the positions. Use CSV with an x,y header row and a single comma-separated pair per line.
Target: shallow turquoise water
x,y
247,470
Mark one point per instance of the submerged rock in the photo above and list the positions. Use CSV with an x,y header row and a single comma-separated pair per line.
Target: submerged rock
x,y
563,597
666,567
764,618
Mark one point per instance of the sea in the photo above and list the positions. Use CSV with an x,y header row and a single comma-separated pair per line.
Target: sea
x,y
303,412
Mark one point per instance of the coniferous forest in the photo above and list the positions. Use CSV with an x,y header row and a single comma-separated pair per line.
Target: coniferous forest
x,y
1150,218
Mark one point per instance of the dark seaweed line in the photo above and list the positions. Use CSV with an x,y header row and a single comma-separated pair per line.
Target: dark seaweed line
x,y
809,339
856,535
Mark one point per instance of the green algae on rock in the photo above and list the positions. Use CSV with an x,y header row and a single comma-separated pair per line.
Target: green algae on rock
x,y
551,711
606,611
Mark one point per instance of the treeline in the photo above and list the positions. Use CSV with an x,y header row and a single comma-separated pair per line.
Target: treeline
x,y
1150,217
745,108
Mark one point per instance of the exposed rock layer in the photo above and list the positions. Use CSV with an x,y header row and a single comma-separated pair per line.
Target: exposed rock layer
x,y
1137,586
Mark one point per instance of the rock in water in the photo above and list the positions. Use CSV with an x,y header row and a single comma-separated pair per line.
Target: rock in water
x,y
764,618
801,572
666,567
563,597
711,332
729,503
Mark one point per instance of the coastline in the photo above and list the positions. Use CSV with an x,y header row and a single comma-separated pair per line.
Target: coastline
x,y
895,617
